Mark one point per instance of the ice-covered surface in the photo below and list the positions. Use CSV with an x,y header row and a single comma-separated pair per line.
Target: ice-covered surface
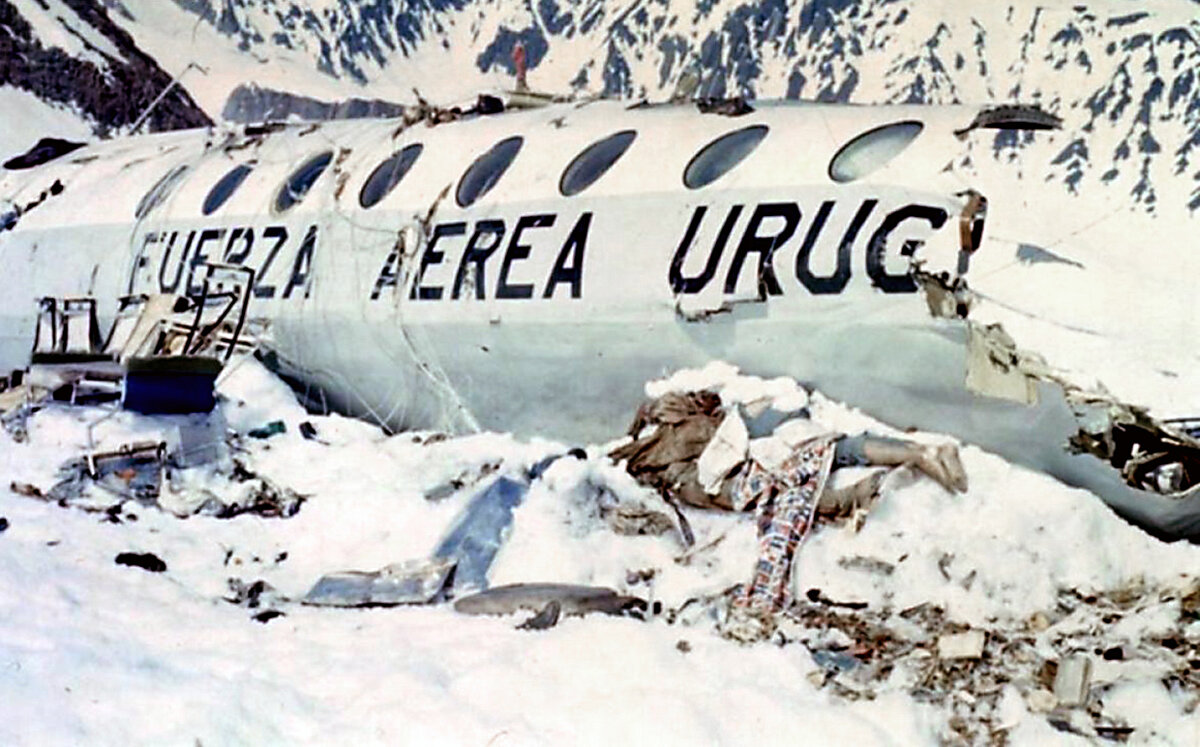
x,y
98,653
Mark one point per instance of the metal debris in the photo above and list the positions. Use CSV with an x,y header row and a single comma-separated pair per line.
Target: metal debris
x,y
572,600
418,582
545,619
1073,680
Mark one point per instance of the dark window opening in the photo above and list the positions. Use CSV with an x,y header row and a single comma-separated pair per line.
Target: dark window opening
x,y
721,155
158,193
302,180
487,170
594,162
387,175
224,189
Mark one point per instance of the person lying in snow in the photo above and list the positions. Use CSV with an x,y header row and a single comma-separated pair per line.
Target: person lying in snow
x,y
694,451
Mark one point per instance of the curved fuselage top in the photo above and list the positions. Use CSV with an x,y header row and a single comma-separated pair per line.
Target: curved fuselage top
x,y
484,276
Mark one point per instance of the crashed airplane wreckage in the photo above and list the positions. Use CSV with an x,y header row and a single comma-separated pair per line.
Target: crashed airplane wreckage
x,y
527,266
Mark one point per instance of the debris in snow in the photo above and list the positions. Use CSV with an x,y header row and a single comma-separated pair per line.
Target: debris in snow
x,y
874,610
17,404
968,645
631,515
3,523
253,595
1072,680
259,596
25,489
545,619
693,448
105,481
145,560
309,432
262,498
572,600
414,582
273,428
466,478
476,537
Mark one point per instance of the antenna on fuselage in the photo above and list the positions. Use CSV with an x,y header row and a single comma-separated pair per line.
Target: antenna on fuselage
x,y
174,82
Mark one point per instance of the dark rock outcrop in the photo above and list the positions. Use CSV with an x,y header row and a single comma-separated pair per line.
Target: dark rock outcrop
x,y
250,103
112,95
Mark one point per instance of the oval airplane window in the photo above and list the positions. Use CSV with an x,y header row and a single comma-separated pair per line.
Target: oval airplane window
x,y
388,174
594,161
301,181
487,170
224,189
872,150
159,191
720,156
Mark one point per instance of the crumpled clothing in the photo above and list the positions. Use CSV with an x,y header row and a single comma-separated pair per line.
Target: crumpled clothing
x,y
665,459
787,499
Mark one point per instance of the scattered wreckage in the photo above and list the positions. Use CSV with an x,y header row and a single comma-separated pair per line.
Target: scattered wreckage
x,y
693,452
160,358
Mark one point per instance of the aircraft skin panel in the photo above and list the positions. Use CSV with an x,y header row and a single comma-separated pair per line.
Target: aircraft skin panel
x,y
532,312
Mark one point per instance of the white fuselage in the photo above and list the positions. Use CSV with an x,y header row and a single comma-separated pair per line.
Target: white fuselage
x,y
531,311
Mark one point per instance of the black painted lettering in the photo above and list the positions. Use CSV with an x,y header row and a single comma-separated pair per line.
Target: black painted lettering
x,y
681,284
571,252
261,289
247,237
171,287
516,252
143,258
493,232
764,246
431,256
302,265
207,236
150,238
836,282
877,247
388,274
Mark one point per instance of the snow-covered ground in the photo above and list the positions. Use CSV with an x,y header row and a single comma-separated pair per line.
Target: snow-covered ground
x,y
27,119
98,653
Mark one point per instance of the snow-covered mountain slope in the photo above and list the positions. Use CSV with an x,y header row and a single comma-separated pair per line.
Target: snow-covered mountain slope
x,y
37,119
86,71
1122,76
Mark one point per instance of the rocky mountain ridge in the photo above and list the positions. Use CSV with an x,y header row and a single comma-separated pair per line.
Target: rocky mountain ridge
x,y
71,54
1123,77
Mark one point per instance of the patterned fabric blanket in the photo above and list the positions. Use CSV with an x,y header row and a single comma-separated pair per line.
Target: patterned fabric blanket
x,y
786,499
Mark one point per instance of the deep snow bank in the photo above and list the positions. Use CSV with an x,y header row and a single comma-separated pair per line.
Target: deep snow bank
x,y
105,654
